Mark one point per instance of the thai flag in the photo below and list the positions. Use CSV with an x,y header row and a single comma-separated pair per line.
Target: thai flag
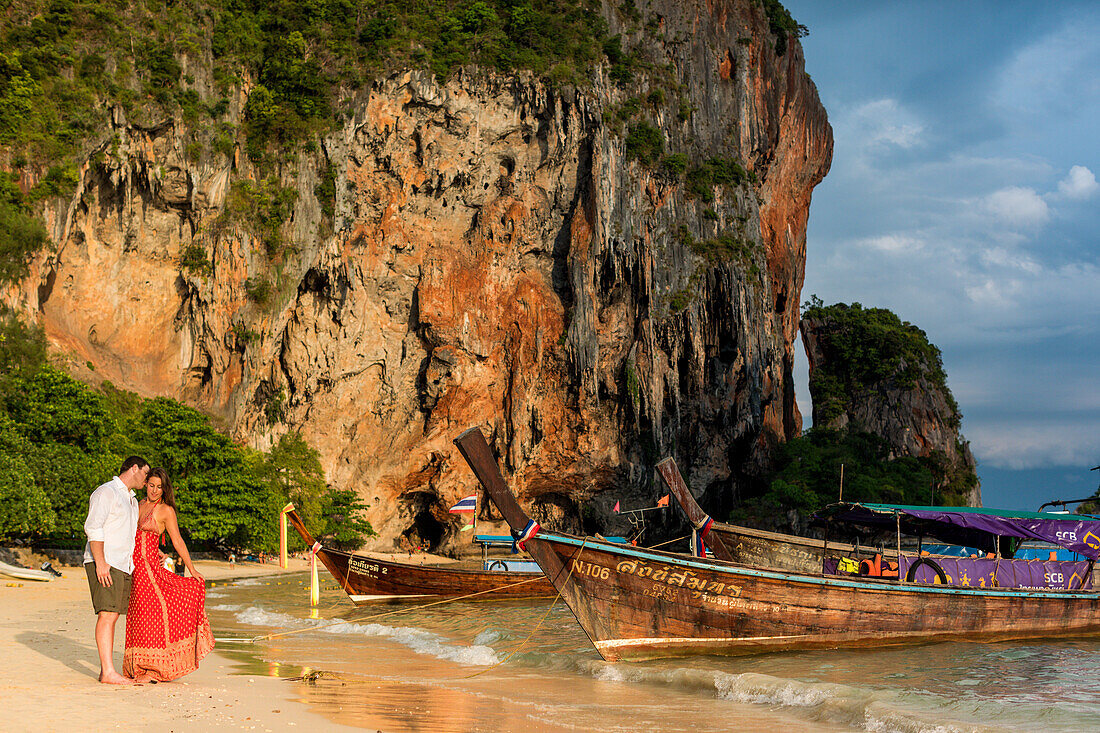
x,y
466,506
519,539
698,547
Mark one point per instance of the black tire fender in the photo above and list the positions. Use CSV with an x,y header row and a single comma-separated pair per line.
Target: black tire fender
x,y
497,566
912,572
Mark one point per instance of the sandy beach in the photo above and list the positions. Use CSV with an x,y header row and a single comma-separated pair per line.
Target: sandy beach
x,y
50,667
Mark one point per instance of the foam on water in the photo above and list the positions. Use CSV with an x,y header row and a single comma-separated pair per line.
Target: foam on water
x,y
419,640
224,607
250,581
826,702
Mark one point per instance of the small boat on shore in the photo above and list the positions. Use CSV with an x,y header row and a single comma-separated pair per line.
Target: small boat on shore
x,y
14,571
369,580
638,604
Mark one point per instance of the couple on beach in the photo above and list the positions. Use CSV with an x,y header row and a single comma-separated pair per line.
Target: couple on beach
x,y
167,632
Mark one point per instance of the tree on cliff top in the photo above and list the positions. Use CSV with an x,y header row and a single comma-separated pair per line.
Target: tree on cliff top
x,y
865,350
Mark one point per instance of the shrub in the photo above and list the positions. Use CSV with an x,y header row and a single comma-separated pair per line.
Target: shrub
x,y
258,290
644,143
194,259
675,164
261,208
22,235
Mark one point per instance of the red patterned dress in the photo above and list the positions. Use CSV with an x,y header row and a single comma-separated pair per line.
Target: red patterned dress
x,y
167,632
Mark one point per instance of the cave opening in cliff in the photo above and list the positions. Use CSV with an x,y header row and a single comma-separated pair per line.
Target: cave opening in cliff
x,y
424,530
558,512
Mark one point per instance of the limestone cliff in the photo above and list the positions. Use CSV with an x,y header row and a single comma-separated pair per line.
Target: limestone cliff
x,y
873,373
493,254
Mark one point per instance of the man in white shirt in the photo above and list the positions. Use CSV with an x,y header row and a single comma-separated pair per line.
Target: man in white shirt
x,y
109,556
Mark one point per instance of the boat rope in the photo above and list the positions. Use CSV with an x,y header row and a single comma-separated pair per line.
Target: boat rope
x,y
550,608
279,634
668,542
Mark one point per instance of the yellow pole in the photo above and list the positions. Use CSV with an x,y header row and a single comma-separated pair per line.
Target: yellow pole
x,y
282,534
314,586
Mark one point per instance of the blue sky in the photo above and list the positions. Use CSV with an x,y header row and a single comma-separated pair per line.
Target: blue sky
x,y
963,196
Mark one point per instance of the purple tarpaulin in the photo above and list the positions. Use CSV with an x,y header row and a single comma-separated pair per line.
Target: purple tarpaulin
x,y
975,527
980,572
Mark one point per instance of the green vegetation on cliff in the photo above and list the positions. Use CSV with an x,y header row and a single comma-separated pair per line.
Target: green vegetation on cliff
x,y
807,477
65,62
865,348
59,439
865,354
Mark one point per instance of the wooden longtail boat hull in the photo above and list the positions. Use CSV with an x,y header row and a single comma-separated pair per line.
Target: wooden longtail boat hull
x,y
756,547
371,580
639,604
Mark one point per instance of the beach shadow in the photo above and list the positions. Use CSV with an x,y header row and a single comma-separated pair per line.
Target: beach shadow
x,y
81,658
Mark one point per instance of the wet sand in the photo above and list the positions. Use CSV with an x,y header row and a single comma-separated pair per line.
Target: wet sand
x,y
48,655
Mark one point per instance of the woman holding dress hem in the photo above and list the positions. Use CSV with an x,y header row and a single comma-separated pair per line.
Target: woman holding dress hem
x,y
167,631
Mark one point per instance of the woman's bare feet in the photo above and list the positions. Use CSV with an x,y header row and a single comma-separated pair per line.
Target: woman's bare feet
x,y
114,678
143,679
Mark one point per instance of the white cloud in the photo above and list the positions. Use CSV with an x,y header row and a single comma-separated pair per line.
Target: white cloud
x,y
991,293
1020,444
875,127
891,243
1017,206
1079,184
1010,260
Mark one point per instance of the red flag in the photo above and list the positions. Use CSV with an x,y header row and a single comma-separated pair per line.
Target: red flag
x,y
663,501
616,508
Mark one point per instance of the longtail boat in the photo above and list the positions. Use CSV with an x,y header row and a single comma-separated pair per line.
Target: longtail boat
x,y
369,580
747,545
635,603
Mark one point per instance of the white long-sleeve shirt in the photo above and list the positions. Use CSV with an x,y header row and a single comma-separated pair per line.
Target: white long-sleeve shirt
x,y
112,520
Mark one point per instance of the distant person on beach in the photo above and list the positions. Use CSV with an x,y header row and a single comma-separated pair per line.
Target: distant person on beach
x,y
167,631
109,556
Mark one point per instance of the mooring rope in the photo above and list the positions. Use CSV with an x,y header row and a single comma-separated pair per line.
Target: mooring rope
x,y
668,542
407,609
514,652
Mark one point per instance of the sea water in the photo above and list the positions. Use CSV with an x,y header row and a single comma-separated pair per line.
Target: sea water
x,y
503,666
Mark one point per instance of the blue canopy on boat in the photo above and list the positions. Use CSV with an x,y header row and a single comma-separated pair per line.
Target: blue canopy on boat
x,y
973,526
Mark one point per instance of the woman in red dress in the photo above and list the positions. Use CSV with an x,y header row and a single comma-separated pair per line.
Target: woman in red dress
x,y
167,632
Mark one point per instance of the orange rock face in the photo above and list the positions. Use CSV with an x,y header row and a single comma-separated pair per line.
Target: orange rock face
x,y
495,258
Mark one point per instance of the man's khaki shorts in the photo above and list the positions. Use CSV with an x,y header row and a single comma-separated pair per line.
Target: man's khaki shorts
x,y
114,599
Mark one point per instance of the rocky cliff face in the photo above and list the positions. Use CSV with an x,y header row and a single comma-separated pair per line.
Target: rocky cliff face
x,y
910,407
492,255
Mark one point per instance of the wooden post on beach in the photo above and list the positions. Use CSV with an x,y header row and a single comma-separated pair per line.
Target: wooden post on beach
x,y
282,534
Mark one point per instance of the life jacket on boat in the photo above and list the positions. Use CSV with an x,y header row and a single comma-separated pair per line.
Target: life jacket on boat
x,y
876,568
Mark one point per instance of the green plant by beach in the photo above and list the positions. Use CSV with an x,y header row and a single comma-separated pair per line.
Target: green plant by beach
x,y
60,438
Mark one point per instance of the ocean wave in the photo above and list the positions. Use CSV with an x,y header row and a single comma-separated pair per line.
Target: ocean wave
x,y
875,711
244,582
419,640
224,607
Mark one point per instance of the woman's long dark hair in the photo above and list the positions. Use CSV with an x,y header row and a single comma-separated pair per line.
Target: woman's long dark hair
x,y
167,492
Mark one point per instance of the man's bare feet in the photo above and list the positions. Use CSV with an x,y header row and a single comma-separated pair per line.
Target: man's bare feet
x,y
114,678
